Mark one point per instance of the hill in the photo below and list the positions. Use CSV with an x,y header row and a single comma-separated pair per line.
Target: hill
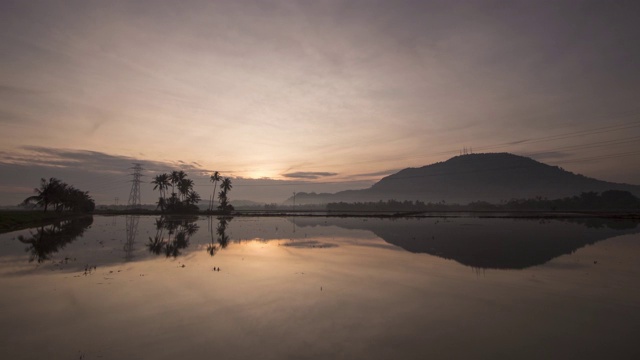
x,y
491,177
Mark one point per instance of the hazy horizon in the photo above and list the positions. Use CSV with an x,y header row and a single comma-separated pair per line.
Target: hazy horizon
x,y
325,96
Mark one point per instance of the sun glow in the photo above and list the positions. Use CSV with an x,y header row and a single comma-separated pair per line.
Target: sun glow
x,y
262,174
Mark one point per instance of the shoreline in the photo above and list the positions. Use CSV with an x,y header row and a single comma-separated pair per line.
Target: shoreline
x,y
13,220
536,214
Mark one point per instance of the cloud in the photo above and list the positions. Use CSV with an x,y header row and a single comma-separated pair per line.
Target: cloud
x,y
378,173
86,160
308,174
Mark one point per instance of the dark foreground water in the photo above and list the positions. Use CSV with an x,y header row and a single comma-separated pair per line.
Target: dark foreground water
x,y
321,288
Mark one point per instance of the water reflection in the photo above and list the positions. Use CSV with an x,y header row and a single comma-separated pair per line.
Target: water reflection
x,y
275,300
482,243
487,243
132,230
172,235
221,233
600,223
51,238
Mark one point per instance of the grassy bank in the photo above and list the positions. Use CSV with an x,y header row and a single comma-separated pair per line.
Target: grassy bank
x,y
17,220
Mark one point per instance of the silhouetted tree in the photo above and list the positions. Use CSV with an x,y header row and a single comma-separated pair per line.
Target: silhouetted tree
x,y
162,203
225,187
61,196
175,178
161,183
76,200
214,179
192,198
45,193
187,198
185,186
618,199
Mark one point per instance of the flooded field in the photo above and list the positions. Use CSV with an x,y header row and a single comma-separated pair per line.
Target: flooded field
x,y
320,288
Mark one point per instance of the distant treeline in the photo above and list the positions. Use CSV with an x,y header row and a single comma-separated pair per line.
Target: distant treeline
x,y
389,205
611,200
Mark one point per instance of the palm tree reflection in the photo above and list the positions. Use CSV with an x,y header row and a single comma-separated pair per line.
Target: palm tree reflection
x,y
172,235
50,239
221,232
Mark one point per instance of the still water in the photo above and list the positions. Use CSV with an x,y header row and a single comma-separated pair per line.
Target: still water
x,y
321,288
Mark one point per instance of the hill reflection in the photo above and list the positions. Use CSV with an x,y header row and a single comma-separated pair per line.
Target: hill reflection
x,y
487,243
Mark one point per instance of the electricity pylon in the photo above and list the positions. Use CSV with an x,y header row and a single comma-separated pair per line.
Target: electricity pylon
x,y
134,195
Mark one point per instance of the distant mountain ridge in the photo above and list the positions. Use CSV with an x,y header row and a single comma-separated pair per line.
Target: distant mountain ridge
x,y
491,177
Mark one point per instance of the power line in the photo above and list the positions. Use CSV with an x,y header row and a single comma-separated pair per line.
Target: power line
x,y
601,157
587,146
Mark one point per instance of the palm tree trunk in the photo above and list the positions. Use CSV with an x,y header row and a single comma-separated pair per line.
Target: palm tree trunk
x,y
213,196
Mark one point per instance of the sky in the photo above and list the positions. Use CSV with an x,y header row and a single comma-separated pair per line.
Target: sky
x,y
321,96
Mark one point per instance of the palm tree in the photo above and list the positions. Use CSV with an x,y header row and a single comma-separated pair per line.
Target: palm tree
x,y
162,203
185,186
46,193
193,198
175,178
61,196
224,206
76,200
222,196
161,182
214,179
226,185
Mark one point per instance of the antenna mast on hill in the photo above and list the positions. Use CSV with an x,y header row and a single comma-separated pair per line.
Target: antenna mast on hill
x,y
134,195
